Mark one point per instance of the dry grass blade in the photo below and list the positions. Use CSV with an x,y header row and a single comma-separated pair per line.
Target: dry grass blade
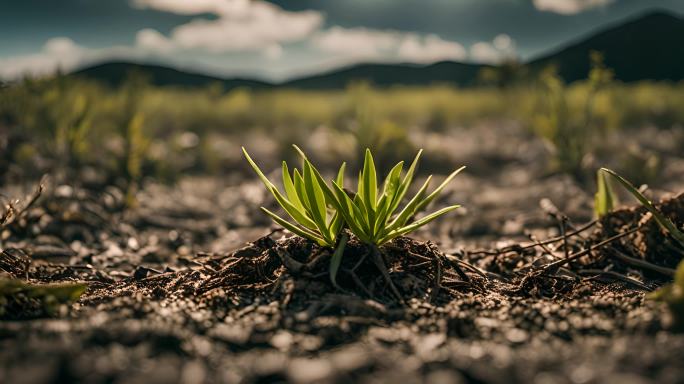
x,y
579,254
12,213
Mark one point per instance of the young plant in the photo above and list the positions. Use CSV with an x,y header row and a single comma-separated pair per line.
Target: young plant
x,y
305,202
673,295
663,221
372,214
605,198
569,128
49,295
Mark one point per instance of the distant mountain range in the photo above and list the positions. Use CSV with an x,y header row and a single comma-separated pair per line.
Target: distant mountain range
x,y
650,47
392,74
115,73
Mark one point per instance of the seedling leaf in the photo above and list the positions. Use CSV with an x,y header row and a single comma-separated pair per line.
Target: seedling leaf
x,y
293,228
306,202
419,223
605,198
663,221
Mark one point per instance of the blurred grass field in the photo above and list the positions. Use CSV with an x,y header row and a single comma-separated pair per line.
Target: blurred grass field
x,y
138,130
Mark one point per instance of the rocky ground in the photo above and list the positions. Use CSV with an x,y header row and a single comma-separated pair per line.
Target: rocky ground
x,y
194,285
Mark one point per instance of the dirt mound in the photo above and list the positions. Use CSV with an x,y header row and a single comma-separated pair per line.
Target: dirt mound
x,y
648,242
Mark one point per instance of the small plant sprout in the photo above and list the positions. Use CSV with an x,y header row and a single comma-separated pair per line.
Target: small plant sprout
x,y
662,220
673,295
305,202
605,198
372,214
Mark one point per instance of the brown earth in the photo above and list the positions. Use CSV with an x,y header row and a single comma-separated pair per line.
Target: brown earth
x,y
169,301
489,294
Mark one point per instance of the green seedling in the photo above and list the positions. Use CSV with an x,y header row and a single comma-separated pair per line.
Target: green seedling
x,y
49,294
372,214
305,201
673,296
569,128
62,292
664,222
605,198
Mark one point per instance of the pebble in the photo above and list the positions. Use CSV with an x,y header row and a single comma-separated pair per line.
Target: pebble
x,y
301,370
517,335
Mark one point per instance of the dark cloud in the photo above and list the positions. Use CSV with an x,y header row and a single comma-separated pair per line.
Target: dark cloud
x,y
471,21
389,29
25,25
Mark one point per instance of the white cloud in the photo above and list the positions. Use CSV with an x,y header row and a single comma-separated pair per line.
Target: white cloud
x,y
364,43
499,49
61,46
569,7
503,42
484,52
150,39
241,25
430,49
273,52
57,53
245,36
355,42
62,53
182,7
194,7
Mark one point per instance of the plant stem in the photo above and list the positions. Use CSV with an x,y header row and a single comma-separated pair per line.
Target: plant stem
x,y
380,264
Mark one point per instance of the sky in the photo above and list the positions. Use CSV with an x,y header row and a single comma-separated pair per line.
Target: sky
x,y
281,39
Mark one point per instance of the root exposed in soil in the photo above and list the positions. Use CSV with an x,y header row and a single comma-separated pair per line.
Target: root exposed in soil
x,y
418,270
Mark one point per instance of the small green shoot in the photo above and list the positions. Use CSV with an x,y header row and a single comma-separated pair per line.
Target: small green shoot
x,y
372,214
673,296
605,198
48,294
663,221
305,202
